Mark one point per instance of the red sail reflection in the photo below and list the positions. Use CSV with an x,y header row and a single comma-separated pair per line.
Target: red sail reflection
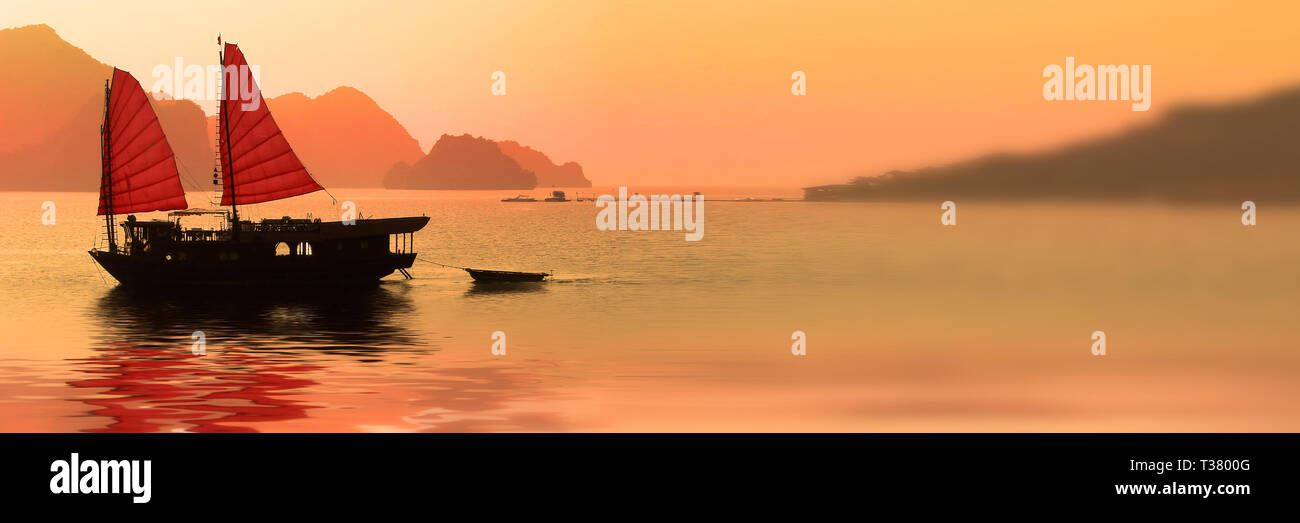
x,y
151,390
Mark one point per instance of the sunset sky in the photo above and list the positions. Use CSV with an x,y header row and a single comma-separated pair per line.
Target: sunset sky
x,y
699,92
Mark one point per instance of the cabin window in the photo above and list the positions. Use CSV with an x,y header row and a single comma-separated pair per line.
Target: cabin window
x,y
365,244
304,249
282,249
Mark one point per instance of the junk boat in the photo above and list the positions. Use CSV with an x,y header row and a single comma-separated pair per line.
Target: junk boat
x,y
556,196
256,165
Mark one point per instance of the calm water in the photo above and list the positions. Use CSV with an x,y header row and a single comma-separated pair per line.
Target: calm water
x,y
910,326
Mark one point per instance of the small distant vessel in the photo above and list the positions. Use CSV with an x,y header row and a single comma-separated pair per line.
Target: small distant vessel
x,y
255,165
557,196
484,275
520,198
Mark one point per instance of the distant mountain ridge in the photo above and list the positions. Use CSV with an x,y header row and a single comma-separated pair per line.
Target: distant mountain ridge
x,y
51,106
462,162
47,143
548,174
183,123
343,137
1238,151
44,83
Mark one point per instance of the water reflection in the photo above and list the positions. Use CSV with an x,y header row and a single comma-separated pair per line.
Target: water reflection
x,y
152,389
261,348
489,288
354,321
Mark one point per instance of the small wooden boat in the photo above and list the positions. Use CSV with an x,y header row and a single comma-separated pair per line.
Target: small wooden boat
x,y
505,276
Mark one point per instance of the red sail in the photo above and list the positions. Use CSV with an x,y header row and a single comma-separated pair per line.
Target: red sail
x,y
257,162
139,168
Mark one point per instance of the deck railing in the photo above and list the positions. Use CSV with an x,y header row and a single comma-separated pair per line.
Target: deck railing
x,y
279,226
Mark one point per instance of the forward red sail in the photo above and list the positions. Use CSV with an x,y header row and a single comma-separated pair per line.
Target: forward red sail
x,y
256,160
139,169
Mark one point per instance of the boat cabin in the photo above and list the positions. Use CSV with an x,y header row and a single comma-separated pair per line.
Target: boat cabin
x,y
147,238
286,238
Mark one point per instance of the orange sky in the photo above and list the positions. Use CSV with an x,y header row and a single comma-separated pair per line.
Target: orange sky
x,y
699,92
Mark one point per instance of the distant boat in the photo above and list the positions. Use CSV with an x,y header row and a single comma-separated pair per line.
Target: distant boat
x,y
505,276
256,164
520,198
556,196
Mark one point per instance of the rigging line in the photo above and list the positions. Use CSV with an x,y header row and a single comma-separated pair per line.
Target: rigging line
x,y
189,176
101,273
442,264
211,193
333,201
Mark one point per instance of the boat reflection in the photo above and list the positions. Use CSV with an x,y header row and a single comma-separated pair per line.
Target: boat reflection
x,y
259,351
488,288
355,321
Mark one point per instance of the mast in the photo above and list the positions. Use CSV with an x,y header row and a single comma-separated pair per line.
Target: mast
x,y
223,118
106,177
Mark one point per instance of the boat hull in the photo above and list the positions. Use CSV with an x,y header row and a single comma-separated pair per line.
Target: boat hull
x,y
266,254
505,276
139,271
